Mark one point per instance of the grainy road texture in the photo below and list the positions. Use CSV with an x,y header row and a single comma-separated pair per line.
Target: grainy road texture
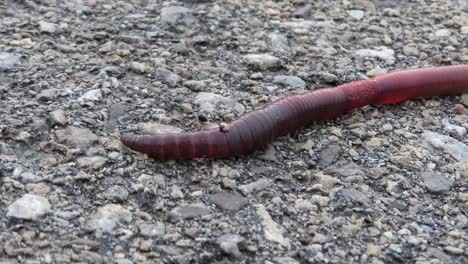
x,y
383,184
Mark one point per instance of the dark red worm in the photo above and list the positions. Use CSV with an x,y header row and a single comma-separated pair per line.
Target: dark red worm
x,y
255,129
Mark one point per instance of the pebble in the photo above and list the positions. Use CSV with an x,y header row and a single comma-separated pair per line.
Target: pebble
x,y
464,30
116,193
229,201
94,162
436,183
263,61
284,260
58,117
454,250
8,60
442,33
356,14
326,182
29,207
229,244
290,81
81,138
156,128
28,177
455,148
355,196
108,217
255,186
279,43
174,16
182,212
167,77
465,99
138,67
91,96
381,52
271,230
47,27
329,154
349,170
373,250
46,95
210,103
303,11
459,130
156,230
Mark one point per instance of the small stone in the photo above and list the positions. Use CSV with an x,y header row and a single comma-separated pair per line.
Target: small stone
x,y
229,201
302,204
263,61
258,185
442,33
291,81
376,72
454,250
387,127
465,99
303,11
195,86
81,138
189,211
439,254
91,96
28,177
166,76
116,193
328,77
284,260
436,183
381,52
279,43
455,148
3,148
29,207
374,142
257,76
83,176
138,67
271,230
156,128
355,196
464,30
95,162
156,230
373,250
46,95
46,27
461,131
329,154
174,16
229,244
176,192
8,60
107,218
410,51
356,14
58,117
326,182
210,103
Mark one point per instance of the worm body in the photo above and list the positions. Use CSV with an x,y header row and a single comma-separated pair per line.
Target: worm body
x,y
258,128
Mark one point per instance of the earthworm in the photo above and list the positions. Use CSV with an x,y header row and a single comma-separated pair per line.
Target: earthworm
x,y
258,128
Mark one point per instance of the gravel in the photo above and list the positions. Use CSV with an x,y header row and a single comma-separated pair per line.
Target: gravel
x,y
383,184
